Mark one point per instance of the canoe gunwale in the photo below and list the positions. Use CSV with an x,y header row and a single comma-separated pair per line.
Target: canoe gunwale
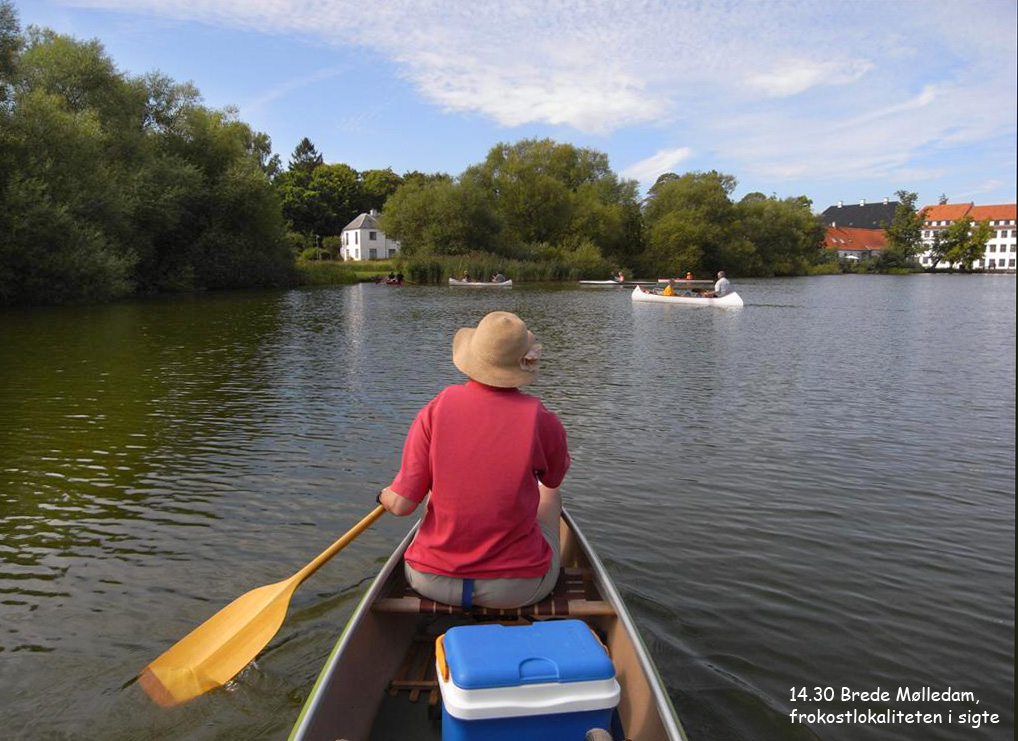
x,y
608,591
316,697
319,693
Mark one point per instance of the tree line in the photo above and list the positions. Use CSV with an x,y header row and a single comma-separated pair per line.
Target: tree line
x,y
113,184
538,200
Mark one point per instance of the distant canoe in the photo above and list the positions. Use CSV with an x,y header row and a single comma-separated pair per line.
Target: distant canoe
x,y
480,283
731,300
623,284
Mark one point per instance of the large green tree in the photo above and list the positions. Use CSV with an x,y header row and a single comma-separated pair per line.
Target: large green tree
x,y
376,187
786,235
557,194
905,232
442,217
111,183
689,220
962,243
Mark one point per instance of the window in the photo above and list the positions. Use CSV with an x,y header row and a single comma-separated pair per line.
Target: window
x,y
992,264
373,254
993,248
372,236
1010,263
392,253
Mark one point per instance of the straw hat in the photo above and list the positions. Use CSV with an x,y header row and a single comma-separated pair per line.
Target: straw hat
x,y
500,351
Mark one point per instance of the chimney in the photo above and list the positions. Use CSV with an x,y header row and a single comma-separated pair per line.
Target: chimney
x,y
885,200
862,201
840,204
834,225
374,212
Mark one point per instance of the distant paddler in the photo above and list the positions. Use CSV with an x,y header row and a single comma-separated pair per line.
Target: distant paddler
x,y
722,286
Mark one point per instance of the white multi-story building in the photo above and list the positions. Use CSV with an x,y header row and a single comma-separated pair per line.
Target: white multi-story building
x,y
363,240
999,253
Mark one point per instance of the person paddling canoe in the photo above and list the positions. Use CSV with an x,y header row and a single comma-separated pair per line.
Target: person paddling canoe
x,y
493,459
722,287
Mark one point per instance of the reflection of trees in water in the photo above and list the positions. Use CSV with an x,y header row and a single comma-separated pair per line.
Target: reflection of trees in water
x,y
119,426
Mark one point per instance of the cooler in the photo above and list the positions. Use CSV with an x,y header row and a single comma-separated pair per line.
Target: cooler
x,y
549,681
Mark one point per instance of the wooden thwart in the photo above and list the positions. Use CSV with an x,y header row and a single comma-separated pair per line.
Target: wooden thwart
x,y
575,595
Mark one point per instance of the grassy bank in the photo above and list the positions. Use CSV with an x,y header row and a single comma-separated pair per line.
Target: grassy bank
x,y
482,266
337,272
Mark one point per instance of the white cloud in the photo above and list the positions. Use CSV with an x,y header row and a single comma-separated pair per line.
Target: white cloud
x,y
648,170
797,75
766,86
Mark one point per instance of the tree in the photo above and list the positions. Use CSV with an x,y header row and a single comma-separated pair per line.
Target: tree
x,y
786,235
556,194
376,187
689,222
10,47
112,184
322,201
305,157
964,241
904,233
441,218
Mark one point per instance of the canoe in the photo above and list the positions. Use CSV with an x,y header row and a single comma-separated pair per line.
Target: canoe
x,y
728,300
480,283
687,282
625,283
380,681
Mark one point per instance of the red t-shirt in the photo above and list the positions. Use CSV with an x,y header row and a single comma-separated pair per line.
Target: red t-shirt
x,y
481,450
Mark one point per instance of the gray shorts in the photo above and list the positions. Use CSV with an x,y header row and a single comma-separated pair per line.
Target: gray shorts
x,y
495,593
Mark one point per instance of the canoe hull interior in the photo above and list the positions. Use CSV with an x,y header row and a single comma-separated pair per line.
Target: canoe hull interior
x,y
353,698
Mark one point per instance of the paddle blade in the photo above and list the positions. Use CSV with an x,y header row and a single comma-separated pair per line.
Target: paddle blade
x,y
214,652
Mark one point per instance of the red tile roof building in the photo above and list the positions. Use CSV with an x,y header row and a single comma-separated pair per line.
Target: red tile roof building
x,y
999,253
855,244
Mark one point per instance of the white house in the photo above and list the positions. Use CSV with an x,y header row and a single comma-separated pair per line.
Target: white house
x,y
363,240
999,253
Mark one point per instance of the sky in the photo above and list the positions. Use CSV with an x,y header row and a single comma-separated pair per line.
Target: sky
x,y
837,100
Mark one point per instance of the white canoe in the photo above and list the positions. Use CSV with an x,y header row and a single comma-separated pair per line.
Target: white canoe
x,y
480,283
730,300
380,679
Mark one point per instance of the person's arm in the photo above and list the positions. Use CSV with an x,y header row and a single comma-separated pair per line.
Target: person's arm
x,y
396,504
413,482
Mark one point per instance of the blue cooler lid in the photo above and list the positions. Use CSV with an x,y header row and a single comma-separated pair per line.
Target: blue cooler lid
x,y
485,656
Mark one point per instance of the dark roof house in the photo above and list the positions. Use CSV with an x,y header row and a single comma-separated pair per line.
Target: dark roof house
x,y
862,215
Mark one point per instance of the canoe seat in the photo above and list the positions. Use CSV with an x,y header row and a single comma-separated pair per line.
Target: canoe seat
x,y
575,594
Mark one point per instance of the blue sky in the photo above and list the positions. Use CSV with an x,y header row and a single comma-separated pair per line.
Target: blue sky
x,y
832,99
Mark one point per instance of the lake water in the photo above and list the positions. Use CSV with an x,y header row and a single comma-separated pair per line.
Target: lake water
x,y
816,490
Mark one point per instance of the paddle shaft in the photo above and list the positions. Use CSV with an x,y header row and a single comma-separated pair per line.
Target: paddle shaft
x,y
339,545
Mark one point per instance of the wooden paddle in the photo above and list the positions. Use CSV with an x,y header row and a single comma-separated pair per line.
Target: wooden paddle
x,y
212,654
